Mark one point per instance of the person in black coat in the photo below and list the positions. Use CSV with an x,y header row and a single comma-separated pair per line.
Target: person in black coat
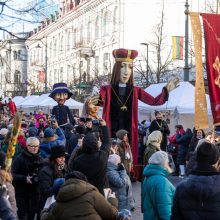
x,y
56,168
198,196
93,161
160,125
25,168
183,140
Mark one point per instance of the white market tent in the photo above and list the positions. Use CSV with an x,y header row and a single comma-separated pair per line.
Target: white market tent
x,y
181,102
18,99
28,101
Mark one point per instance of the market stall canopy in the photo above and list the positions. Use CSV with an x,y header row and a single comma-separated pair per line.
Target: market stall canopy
x,y
181,99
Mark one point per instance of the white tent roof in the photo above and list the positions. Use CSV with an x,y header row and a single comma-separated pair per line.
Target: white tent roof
x,y
18,99
70,103
182,99
28,101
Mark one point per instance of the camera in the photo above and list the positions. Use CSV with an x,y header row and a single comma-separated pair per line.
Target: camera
x,y
53,119
95,122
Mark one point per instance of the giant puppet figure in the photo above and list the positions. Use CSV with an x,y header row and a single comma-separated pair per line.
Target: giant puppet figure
x,y
120,98
62,112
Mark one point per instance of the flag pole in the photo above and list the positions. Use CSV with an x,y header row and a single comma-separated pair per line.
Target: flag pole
x,y
216,6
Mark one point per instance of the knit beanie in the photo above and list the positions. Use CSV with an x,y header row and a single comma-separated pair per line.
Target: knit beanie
x,y
90,143
114,159
33,131
49,132
207,153
159,158
154,137
2,160
4,131
121,133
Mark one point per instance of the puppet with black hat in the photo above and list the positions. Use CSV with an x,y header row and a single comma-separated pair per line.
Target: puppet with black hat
x,y
62,112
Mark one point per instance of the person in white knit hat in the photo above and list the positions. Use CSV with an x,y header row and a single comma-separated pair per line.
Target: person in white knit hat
x,y
157,191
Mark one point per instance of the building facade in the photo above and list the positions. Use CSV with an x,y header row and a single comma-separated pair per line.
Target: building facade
x,y
75,44
13,71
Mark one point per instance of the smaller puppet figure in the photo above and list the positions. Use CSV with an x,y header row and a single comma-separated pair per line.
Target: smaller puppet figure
x,y
90,110
12,107
62,112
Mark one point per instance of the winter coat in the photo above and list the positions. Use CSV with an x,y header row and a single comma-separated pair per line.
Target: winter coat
x,y
27,195
191,165
48,143
120,183
127,162
81,201
12,108
157,125
94,165
198,196
157,193
183,141
46,179
149,151
5,209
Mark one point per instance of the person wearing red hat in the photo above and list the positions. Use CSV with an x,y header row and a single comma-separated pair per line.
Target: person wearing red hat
x,y
120,98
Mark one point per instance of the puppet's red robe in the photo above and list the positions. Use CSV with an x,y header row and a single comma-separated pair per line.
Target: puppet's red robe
x,y
138,94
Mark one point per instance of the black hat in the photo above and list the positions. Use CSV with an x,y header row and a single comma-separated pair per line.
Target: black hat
x,y
2,160
88,119
80,129
207,153
57,151
82,119
90,143
60,88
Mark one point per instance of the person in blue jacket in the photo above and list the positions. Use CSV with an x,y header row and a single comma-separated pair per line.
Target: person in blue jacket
x,y
157,191
120,182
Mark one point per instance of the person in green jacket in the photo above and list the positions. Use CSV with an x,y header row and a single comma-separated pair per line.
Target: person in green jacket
x,y
157,191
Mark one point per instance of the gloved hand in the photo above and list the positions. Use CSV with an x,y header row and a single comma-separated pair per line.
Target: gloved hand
x,y
123,215
121,166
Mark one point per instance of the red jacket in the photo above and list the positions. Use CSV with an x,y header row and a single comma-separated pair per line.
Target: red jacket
x,y
12,107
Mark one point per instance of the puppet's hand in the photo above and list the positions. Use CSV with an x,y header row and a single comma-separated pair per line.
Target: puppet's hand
x,y
94,100
172,84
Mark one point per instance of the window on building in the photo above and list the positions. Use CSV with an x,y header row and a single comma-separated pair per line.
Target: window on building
x,y
81,35
74,37
61,78
88,70
115,19
96,66
15,55
106,22
97,28
89,32
17,77
19,55
61,45
68,42
50,49
77,2
106,63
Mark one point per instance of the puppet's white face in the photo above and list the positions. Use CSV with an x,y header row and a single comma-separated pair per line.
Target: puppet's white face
x,y
125,74
61,98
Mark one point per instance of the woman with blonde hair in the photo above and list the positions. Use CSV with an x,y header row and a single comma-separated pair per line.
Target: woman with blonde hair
x,y
153,145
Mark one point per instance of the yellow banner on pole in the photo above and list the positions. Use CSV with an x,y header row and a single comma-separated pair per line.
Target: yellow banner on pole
x,y
201,114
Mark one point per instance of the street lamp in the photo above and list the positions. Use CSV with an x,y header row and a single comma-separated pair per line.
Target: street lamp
x,y
45,68
186,67
147,65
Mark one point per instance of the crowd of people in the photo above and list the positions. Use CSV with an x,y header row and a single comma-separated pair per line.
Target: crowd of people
x,y
80,172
